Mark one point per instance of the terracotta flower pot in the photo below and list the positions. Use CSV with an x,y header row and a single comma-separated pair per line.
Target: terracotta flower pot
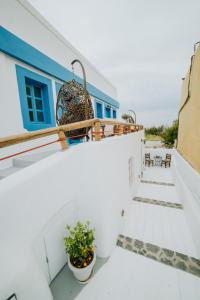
x,y
83,274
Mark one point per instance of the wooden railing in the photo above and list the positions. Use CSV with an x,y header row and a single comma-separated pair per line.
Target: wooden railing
x,y
97,131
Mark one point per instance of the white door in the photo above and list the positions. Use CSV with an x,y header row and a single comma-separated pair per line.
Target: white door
x,y
54,239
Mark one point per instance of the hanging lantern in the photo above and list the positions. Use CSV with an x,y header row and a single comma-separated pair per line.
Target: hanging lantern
x,y
74,105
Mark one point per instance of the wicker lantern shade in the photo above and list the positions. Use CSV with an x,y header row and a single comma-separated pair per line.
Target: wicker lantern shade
x,y
74,105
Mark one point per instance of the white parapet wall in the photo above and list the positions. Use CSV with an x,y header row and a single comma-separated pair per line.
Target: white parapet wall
x,y
159,151
92,181
187,181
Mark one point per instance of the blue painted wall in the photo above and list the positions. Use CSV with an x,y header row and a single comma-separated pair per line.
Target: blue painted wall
x,y
16,47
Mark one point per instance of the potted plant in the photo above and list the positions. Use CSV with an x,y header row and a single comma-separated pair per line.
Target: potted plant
x,y
81,251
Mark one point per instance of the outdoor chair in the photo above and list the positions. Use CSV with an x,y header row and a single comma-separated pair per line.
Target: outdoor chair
x,y
148,160
167,161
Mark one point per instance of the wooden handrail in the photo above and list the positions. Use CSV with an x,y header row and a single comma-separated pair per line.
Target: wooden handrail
x,y
20,138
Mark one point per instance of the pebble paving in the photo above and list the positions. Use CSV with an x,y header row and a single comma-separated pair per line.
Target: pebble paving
x,y
166,256
159,183
158,202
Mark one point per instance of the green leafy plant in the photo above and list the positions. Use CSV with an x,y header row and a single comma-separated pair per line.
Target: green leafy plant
x,y
170,135
155,130
79,244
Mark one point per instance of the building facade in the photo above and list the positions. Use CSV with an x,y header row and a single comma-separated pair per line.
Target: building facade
x,y
189,128
34,62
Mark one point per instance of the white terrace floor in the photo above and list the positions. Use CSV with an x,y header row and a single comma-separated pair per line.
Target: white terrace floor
x,y
127,275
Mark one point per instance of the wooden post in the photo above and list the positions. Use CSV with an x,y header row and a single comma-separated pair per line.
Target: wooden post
x,y
126,129
115,129
97,128
92,133
120,128
63,141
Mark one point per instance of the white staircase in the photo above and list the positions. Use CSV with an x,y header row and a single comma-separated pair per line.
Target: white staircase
x,y
24,161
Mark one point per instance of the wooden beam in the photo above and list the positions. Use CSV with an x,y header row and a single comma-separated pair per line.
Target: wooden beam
x,y
20,138
111,122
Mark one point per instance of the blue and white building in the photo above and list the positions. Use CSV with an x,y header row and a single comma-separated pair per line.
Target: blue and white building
x,y
34,61
152,212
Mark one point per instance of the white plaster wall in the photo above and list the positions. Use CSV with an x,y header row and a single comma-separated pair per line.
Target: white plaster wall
x,y
187,182
93,175
153,144
19,17
10,112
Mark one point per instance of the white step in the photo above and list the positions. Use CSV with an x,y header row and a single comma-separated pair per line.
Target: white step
x,y
8,171
24,161
27,160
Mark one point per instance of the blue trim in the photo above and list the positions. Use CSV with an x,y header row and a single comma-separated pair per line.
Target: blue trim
x,y
23,75
16,47
58,86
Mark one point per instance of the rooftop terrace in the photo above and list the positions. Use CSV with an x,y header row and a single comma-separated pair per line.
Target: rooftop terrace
x,y
155,255
151,252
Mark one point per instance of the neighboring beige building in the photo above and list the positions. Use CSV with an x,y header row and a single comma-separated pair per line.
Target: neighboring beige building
x,y
189,114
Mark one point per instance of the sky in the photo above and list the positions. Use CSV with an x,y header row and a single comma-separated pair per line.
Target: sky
x,y
143,47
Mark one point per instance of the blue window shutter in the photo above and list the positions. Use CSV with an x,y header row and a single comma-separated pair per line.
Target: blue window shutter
x,y
99,110
108,112
39,91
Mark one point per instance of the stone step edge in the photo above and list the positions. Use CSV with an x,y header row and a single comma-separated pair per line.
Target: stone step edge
x,y
158,202
166,256
156,182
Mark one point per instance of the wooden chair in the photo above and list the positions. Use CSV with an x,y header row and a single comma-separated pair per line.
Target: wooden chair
x,y
148,160
167,161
